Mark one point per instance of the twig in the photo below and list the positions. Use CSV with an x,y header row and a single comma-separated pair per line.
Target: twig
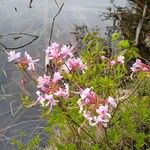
x,y
138,30
30,4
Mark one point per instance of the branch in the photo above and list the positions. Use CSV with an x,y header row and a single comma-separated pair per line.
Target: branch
x,y
30,4
138,30
53,22
47,62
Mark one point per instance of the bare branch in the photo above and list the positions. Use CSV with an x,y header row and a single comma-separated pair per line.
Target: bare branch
x,y
47,62
53,22
138,30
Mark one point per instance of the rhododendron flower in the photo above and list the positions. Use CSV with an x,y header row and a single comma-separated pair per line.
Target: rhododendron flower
x,y
139,66
112,102
53,51
88,116
46,100
103,111
27,60
120,59
103,115
88,96
43,81
95,110
74,64
112,62
100,120
56,77
51,101
13,56
66,51
104,58
40,98
63,92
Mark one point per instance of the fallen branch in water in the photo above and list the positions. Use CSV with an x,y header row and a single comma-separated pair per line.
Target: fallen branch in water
x,y
19,35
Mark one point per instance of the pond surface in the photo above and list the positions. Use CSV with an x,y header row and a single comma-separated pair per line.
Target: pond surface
x,y
16,17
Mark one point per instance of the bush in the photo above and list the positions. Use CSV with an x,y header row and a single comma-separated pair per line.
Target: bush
x,y
91,99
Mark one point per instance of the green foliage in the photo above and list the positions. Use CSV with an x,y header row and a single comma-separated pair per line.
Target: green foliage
x,y
67,147
26,101
129,128
115,36
32,144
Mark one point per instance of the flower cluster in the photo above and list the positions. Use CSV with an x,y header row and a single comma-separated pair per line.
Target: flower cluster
x,y
138,66
95,110
63,58
24,62
55,52
73,65
112,62
50,88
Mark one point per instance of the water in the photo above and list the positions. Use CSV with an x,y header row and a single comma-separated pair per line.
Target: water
x,y
16,16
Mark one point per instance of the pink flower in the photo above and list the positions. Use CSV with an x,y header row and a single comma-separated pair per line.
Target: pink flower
x,y
56,77
85,93
88,116
104,58
88,96
112,62
99,119
53,51
43,82
103,111
138,66
103,115
46,100
29,61
66,51
63,92
51,101
112,102
40,98
120,59
74,64
13,56
55,45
